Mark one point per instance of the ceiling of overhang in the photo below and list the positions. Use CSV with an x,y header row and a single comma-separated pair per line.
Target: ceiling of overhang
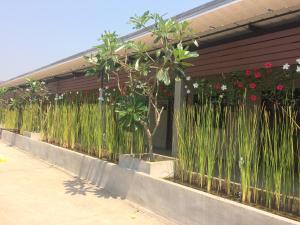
x,y
217,21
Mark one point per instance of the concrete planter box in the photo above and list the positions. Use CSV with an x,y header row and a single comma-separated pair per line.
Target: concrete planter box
x,y
181,204
32,135
164,168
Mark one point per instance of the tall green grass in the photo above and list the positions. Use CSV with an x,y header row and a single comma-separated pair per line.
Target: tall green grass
x,y
250,151
91,129
10,119
247,120
31,117
80,123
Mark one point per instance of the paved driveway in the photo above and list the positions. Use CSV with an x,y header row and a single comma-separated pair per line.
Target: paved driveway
x,y
33,192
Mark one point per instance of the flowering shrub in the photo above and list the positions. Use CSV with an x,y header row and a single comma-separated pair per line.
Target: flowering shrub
x,y
276,84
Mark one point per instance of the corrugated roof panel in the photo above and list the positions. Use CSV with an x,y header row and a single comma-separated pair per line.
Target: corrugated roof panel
x,y
214,16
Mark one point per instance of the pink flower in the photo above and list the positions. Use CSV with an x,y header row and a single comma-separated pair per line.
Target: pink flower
x,y
247,72
268,65
257,74
253,98
252,85
279,87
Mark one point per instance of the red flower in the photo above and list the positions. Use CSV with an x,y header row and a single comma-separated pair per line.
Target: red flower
x,y
257,74
279,87
247,72
268,65
239,84
252,85
253,98
217,86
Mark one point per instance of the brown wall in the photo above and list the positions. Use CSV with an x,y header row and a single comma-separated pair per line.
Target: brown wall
x,y
74,84
277,47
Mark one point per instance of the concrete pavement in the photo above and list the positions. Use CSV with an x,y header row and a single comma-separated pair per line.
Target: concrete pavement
x,y
33,192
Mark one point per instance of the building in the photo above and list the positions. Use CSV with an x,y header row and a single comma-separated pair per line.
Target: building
x,y
233,35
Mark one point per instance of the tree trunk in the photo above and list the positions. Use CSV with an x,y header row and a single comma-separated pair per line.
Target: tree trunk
x,y
150,143
19,122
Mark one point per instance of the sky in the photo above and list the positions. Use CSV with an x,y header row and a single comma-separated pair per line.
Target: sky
x,y
34,33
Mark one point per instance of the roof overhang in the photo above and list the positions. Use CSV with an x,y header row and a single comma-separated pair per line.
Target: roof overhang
x,y
211,21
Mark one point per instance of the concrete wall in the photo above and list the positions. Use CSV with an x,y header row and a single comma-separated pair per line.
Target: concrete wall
x,y
173,201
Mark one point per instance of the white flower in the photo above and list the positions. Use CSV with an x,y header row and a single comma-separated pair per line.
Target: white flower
x,y
223,87
106,87
196,85
93,60
298,69
221,96
43,83
185,86
27,89
188,78
101,99
286,66
188,91
298,61
77,92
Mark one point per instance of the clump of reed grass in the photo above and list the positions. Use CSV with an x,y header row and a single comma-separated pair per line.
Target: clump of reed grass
x,y
11,118
31,117
247,125
246,143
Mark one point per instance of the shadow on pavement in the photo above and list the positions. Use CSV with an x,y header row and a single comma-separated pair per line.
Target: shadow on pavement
x,y
78,186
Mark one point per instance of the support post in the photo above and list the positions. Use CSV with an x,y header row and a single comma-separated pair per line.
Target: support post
x,y
179,102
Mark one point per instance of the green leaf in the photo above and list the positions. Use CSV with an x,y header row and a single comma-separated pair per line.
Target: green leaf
x,y
136,66
163,75
158,53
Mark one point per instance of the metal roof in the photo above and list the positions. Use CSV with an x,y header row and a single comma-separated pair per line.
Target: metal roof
x,y
215,18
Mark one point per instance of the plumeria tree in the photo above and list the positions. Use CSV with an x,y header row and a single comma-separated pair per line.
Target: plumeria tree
x,y
32,92
3,99
147,67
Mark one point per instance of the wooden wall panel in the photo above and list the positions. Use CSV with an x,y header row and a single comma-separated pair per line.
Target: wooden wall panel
x,y
278,48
